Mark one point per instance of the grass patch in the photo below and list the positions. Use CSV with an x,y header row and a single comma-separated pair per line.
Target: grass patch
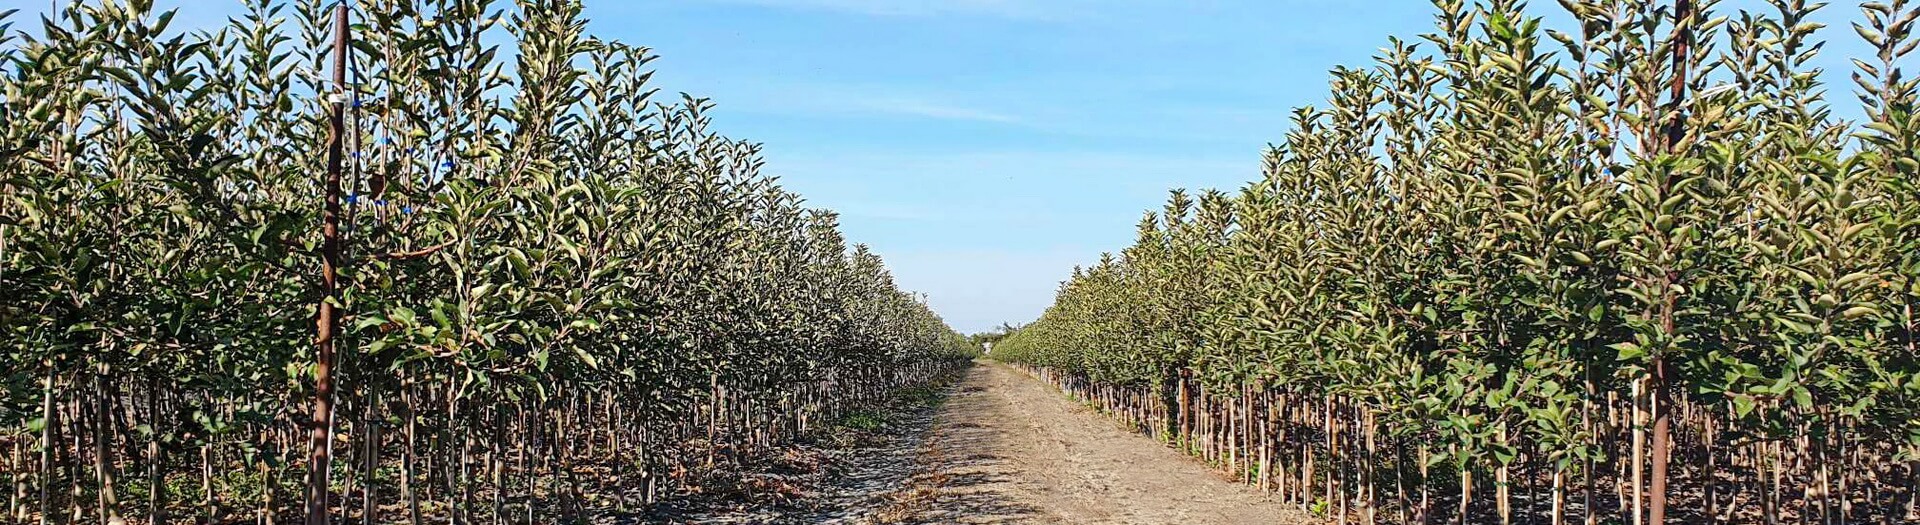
x,y
923,396
866,420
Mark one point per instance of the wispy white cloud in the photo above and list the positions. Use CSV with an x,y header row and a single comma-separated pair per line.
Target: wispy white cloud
x,y
859,100
1018,9
1000,172
934,110
898,106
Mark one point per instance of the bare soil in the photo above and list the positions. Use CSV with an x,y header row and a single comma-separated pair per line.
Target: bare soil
x,y
1007,448
1000,448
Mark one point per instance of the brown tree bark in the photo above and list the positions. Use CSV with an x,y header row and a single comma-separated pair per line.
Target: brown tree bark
x,y
319,456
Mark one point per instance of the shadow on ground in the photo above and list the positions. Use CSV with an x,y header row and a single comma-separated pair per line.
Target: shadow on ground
x,y
855,476
953,486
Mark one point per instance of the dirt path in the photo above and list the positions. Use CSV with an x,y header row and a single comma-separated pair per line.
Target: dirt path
x,y
1002,448
1007,448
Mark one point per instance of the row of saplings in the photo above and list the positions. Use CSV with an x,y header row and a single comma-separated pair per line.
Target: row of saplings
x,y
542,295
1631,272
1337,458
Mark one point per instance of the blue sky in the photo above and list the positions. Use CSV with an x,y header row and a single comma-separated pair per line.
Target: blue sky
x,y
986,147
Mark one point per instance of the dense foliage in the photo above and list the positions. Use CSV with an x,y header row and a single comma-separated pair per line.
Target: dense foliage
x,y
1635,270
561,296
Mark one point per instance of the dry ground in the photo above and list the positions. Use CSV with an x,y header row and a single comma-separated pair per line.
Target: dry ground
x,y
1003,448
1007,448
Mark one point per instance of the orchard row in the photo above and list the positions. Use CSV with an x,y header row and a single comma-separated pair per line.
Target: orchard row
x,y
543,293
1634,270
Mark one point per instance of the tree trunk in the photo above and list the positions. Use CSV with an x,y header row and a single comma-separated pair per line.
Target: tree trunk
x,y
1559,496
319,458
1639,450
1466,496
369,495
46,450
408,459
1662,421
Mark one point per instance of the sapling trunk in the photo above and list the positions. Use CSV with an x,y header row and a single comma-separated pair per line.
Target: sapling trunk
x,y
320,459
1662,434
1639,449
47,445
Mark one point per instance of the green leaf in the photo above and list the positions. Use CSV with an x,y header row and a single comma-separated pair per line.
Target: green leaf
x,y
1629,351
